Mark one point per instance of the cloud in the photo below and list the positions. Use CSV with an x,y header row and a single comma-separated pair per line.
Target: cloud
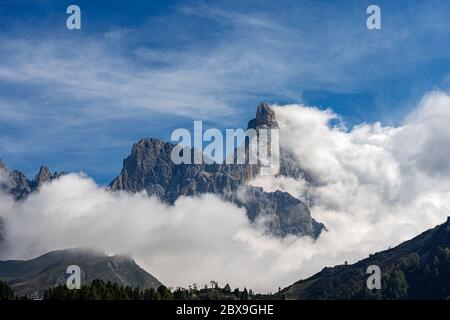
x,y
267,51
101,80
423,141
196,240
375,187
109,85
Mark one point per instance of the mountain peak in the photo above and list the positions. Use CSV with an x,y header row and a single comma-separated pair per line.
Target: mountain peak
x,y
19,186
149,167
46,271
43,175
265,118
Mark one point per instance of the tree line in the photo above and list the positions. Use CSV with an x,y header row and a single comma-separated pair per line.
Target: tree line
x,y
101,290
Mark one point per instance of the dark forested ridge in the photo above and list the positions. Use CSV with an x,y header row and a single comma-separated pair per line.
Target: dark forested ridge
x,y
6,293
100,290
416,269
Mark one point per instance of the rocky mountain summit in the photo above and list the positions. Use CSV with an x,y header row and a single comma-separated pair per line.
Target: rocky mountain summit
x,y
19,186
265,118
149,167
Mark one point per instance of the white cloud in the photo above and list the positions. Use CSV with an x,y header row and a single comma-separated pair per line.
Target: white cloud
x,y
254,54
377,186
381,183
65,90
102,80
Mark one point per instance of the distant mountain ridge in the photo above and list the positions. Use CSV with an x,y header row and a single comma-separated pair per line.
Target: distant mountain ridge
x,y
32,277
416,269
19,186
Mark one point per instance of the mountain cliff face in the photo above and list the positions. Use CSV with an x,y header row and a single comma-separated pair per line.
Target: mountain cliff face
x,y
281,213
416,269
149,167
32,277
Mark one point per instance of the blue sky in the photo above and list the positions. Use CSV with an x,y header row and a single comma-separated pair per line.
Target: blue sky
x,y
78,100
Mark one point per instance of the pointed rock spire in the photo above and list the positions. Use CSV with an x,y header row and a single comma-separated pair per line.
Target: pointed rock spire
x,y
265,118
43,175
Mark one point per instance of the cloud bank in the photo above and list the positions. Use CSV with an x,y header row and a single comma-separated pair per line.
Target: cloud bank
x,y
374,186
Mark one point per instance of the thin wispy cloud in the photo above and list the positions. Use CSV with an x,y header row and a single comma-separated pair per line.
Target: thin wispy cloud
x,y
208,62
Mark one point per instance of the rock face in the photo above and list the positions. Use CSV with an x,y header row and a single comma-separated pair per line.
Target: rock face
x,y
19,186
281,213
265,118
32,277
149,167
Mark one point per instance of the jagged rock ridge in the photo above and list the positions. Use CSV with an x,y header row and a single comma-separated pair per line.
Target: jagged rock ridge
x,y
19,186
149,167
